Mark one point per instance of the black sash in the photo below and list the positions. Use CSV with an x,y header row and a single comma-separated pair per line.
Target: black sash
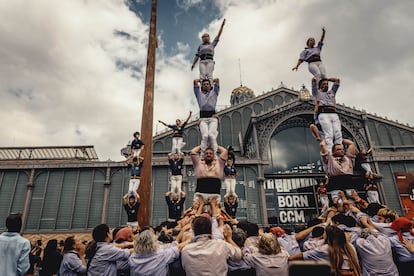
x,y
208,185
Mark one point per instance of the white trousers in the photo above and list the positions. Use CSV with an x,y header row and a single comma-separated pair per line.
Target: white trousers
x,y
324,201
177,144
317,69
230,186
209,133
206,69
137,152
176,181
331,127
367,168
373,197
133,185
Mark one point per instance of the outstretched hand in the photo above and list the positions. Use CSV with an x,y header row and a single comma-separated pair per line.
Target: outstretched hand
x,y
323,29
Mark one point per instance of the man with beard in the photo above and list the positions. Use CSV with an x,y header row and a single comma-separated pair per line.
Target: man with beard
x,y
326,113
208,172
339,166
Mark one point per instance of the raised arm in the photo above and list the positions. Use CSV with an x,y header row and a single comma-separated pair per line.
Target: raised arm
x,y
188,118
323,34
324,148
161,122
195,150
334,79
223,152
351,146
221,30
227,233
304,233
124,199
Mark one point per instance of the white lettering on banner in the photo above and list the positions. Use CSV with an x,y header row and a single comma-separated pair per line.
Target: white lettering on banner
x,y
287,187
293,201
292,216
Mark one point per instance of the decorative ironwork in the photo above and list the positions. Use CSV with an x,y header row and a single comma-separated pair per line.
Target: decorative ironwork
x,y
49,153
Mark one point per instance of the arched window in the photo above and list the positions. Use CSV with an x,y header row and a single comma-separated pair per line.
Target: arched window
x,y
258,108
225,131
236,124
294,150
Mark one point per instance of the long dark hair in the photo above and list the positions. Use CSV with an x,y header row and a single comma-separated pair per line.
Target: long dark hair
x,y
51,248
338,247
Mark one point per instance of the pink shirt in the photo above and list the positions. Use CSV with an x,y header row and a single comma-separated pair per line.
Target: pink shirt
x,y
338,166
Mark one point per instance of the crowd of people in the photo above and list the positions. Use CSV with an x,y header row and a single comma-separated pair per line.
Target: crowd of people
x,y
370,241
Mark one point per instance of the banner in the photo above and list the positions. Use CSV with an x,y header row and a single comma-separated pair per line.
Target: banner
x,y
405,184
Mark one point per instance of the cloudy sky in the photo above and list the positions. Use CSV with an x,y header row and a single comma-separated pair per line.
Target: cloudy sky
x,y
72,72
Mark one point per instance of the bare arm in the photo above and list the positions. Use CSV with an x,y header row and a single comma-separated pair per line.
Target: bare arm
x,y
221,29
81,253
227,233
303,234
124,199
195,150
194,62
323,34
186,241
124,245
324,149
161,122
409,245
298,256
351,146
129,159
334,79
183,230
297,65
188,118
223,152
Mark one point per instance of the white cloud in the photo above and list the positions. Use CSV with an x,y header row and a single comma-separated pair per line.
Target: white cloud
x,y
65,56
187,4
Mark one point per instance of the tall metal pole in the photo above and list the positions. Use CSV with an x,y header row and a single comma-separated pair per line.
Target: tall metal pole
x,y
144,214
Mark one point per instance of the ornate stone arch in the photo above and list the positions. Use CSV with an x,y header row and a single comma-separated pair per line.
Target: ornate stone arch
x,y
356,128
267,125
